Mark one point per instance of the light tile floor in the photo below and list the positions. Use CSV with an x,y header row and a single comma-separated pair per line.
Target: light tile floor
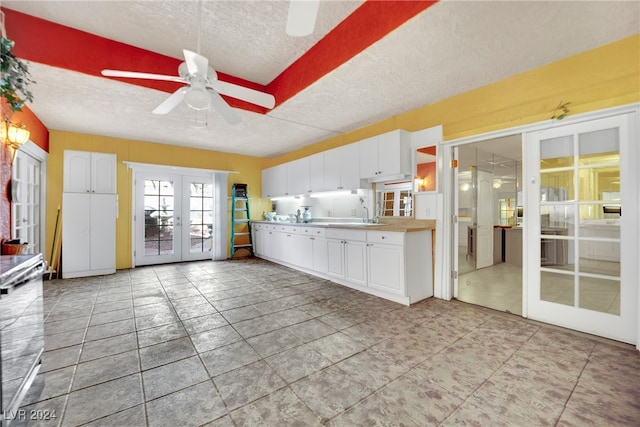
x,y
500,286
251,343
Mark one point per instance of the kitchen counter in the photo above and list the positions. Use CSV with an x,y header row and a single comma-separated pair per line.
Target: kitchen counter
x,y
402,227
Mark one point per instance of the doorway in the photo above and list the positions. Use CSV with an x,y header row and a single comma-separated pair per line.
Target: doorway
x,y
488,199
174,218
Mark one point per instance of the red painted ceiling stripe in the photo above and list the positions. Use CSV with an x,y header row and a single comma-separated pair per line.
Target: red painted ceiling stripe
x,y
64,47
60,46
365,26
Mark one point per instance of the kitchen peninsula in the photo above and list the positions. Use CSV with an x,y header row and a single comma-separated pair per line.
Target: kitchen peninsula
x,y
393,260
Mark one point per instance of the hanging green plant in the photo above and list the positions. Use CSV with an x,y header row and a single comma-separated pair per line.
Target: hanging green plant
x,y
14,77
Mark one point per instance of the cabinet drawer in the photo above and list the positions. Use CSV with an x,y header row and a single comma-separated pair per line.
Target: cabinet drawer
x,y
388,237
291,229
312,231
346,234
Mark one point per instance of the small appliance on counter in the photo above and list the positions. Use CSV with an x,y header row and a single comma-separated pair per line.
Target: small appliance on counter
x,y
21,329
306,215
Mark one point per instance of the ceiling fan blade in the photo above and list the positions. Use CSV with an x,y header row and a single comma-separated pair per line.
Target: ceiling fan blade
x,y
135,75
196,63
223,108
302,17
244,93
170,103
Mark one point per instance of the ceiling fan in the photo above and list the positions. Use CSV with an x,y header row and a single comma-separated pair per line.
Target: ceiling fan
x,y
302,17
202,88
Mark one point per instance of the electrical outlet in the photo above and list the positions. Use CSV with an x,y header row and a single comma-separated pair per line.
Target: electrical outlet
x,y
353,212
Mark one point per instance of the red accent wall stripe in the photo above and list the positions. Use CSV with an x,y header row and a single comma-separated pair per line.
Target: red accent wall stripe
x,y
365,26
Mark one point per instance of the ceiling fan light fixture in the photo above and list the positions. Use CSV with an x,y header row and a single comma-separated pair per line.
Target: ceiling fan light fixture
x,y
198,98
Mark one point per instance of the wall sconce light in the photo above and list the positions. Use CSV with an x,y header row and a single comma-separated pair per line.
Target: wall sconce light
x,y
13,135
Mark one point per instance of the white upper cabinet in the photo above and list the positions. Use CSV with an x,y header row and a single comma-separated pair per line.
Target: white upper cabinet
x,y
297,177
379,158
274,181
316,173
87,172
369,157
341,168
386,156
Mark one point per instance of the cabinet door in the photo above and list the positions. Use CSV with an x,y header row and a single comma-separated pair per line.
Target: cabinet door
x,y
389,154
306,251
269,244
103,232
368,151
356,262
335,258
320,255
350,167
298,177
77,171
386,268
332,165
76,226
103,173
291,248
316,173
268,182
257,239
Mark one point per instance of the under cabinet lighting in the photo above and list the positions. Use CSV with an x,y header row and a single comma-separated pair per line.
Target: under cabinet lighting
x,y
335,193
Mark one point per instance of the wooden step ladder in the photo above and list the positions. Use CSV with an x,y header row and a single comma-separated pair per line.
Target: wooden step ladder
x,y
240,220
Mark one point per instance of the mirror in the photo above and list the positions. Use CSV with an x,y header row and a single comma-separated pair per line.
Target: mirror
x,y
426,169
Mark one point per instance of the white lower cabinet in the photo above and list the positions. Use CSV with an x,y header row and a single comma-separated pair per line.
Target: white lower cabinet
x,y
347,255
313,250
389,264
386,267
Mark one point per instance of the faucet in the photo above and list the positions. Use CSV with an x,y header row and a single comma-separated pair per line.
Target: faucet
x,y
366,218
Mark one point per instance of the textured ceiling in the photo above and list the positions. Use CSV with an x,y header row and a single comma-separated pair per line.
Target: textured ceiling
x,y
448,49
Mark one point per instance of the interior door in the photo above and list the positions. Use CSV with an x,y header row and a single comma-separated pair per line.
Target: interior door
x,y
25,201
580,250
484,218
174,218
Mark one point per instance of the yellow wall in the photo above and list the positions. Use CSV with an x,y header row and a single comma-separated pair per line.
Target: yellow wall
x,y
604,77
249,169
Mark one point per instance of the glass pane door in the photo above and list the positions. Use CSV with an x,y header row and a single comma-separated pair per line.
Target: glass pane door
x,y
158,219
177,213
576,239
197,237
25,201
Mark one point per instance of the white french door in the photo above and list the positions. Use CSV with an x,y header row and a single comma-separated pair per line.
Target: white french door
x,y
173,218
581,234
25,201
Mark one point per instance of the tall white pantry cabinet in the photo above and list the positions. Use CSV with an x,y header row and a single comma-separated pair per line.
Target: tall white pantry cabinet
x,y
89,210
